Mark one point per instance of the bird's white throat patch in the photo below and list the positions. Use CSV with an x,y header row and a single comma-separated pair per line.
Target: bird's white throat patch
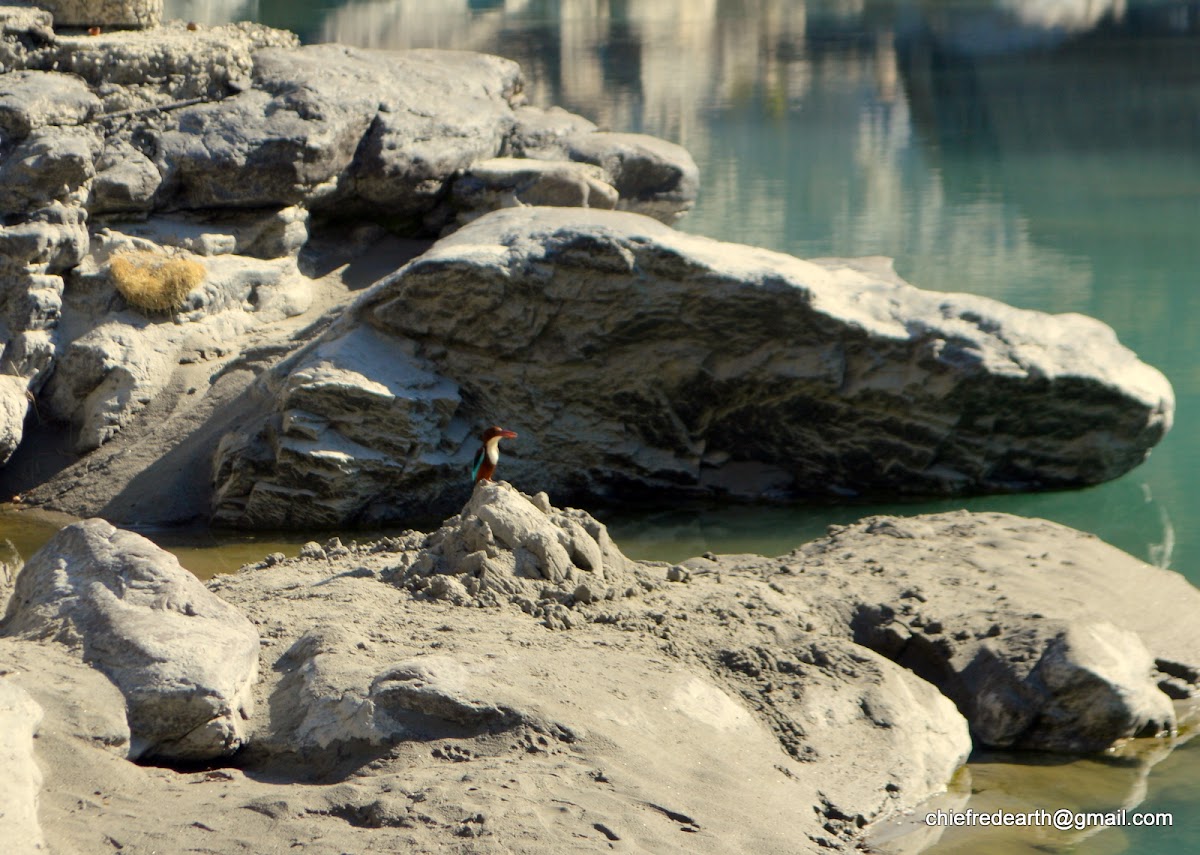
x,y
493,450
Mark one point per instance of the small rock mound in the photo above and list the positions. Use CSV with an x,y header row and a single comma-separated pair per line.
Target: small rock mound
x,y
506,546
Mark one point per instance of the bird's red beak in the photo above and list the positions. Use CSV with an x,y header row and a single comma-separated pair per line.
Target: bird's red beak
x,y
508,434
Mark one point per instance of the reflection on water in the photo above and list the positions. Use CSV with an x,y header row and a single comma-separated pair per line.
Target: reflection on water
x,y
675,534
205,553
1024,784
211,11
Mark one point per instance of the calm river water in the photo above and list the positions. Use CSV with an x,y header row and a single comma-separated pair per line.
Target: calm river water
x,y
1043,152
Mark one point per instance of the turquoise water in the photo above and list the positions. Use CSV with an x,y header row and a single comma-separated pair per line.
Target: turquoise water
x,y
1046,154
1045,159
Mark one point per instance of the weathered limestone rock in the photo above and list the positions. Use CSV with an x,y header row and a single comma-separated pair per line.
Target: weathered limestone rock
x,y
409,156
653,176
14,406
1045,638
106,376
332,380
106,13
327,123
504,546
250,151
45,115
114,361
23,30
22,779
630,357
185,660
507,182
261,234
331,126
48,155
34,99
50,240
126,180
167,64
48,166
543,133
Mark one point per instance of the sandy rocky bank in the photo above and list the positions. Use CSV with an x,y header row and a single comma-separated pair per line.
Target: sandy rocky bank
x,y
512,683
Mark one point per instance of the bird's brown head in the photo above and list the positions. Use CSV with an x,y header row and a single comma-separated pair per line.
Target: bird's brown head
x,y
496,431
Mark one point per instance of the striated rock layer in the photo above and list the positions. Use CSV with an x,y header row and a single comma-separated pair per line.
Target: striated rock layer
x,y
631,358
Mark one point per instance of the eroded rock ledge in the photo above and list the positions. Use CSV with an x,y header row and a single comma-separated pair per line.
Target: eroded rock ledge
x,y
513,680
632,358
226,146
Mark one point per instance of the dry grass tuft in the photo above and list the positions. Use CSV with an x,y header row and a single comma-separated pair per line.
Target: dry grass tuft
x,y
154,282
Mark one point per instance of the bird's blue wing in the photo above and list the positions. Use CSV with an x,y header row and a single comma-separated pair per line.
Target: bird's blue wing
x,y
476,463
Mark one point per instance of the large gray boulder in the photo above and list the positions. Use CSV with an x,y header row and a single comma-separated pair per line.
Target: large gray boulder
x,y
22,779
1045,637
185,660
631,358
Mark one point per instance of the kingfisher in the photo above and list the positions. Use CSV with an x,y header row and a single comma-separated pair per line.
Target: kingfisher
x,y
488,455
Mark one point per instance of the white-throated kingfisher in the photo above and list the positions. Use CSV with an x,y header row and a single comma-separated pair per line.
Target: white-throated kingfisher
x,y
488,455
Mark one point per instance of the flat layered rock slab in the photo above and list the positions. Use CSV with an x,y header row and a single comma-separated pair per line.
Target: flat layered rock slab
x,y
635,360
